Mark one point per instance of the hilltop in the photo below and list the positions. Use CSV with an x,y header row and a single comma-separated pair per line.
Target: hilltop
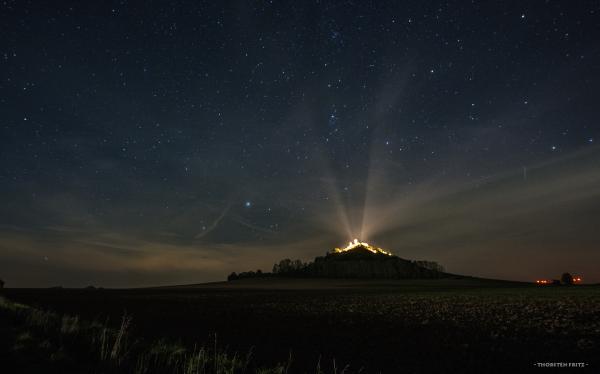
x,y
357,260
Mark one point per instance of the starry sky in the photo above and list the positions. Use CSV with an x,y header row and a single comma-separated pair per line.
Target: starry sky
x,y
148,143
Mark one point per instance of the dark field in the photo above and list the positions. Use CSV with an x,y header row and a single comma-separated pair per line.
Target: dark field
x,y
408,326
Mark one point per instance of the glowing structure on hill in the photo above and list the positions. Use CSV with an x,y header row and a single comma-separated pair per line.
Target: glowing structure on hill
x,y
356,244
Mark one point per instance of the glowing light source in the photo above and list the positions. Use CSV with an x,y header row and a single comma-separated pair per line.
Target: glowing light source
x,y
576,279
356,244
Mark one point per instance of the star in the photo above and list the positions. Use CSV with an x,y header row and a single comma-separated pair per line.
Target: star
x,y
362,107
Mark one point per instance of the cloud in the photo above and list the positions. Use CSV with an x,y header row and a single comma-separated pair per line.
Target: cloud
x,y
109,259
540,225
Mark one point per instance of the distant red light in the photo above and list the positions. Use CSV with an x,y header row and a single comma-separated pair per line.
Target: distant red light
x,y
546,281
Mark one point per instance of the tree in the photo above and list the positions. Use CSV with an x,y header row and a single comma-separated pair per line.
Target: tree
x,y
284,266
566,279
232,276
297,265
1,283
290,268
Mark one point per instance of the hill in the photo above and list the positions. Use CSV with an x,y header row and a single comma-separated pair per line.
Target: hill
x,y
357,260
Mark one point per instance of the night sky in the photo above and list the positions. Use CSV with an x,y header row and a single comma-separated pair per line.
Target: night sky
x,y
148,143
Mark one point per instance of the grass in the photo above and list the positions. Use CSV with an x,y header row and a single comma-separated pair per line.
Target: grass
x,y
64,343
458,325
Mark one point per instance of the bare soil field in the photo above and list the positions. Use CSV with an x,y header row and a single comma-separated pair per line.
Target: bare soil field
x,y
312,325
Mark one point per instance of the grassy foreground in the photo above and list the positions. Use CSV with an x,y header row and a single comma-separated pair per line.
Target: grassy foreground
x,y
34,340
304,326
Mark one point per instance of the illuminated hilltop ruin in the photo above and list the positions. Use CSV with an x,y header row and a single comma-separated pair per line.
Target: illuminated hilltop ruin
x,y
357,260
361,245
363,260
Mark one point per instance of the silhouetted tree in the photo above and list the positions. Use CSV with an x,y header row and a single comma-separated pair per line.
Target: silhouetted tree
x,y
290,268
1,283
297,265
248,274
285,266
566,279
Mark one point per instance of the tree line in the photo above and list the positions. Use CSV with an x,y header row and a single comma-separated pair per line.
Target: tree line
x,y
284,268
